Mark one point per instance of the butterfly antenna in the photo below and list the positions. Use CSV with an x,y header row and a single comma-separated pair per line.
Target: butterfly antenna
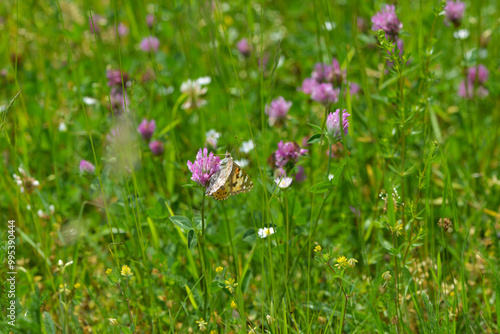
x,y
236,144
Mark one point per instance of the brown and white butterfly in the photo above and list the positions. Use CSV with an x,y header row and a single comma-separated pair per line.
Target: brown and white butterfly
x,y
229,180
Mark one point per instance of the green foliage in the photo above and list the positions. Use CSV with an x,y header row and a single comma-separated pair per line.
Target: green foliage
x,y
390,228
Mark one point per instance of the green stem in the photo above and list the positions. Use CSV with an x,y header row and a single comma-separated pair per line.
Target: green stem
x,y
203,257
287,237
230,235
128,303
396,298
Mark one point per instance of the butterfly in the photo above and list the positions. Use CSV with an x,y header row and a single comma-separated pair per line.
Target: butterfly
x,y
229,180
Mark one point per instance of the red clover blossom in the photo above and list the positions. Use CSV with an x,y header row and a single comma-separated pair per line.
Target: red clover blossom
x,y
204,166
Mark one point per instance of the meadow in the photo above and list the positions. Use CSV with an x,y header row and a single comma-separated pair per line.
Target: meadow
x,y
361,192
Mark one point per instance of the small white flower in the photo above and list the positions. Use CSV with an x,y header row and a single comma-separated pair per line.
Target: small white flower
x,y
212,137
283,182
330,25
36,183
330,177
40,213
242,163
264,232
194,91
60,263
28,207
461,34
246,146
51,208
89,101
203,81
62,127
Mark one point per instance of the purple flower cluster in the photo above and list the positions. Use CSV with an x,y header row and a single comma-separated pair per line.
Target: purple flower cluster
x,y
278,110
146,129
119,100
95,22
288,154
481,72
150,20
122,29
334,126
150,43
388,21
354,88
156,147
204,166
86,167
476,79
244,47
115,78
118,97
321,86
454,11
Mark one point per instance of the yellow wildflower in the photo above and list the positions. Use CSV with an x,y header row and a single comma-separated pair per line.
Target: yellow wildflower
x,y
202,324
219,269
77,285
252,330
230,284
126,271
113,321
318,249
398,229
386,276
109,271
352,262
63,288
341,262
233,304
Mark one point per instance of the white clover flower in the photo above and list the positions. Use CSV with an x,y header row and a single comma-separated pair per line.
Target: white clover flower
x,y
89,100
203,81
264,232
330,177
283,181
25,182
330,25
62,127
461,34
212,137
246,146
193,89
242,163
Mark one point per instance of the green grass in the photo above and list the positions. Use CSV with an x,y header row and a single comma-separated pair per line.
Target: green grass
x,y
408,130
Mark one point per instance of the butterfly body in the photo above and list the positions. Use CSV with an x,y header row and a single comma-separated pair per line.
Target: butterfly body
x,y
229,180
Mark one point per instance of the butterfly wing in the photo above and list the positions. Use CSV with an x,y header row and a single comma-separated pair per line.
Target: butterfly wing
x,y
219,178
239,181
221,193
229,180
